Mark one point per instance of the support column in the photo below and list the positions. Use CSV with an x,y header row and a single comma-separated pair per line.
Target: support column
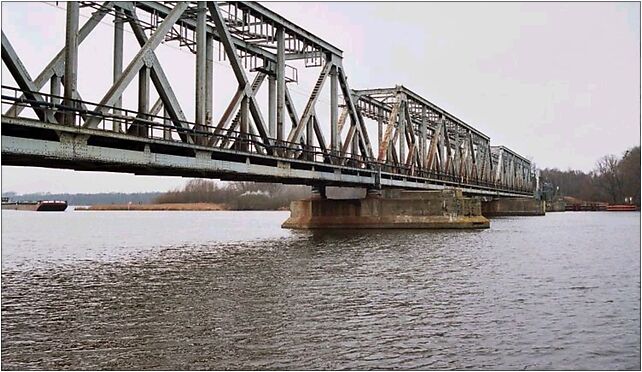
x,y
318,192
143,101
201,75
242,140
167,133
118,63
355,144
373,192
422,142
396,209
272,106
379,128
457,157
280,82
309,135
54,89
209,80
442,144
402,134
513,207
334,111
71,59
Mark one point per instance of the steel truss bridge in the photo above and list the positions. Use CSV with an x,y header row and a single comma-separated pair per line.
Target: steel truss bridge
x,y
420,146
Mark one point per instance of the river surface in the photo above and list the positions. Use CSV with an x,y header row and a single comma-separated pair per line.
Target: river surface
x,y
232,290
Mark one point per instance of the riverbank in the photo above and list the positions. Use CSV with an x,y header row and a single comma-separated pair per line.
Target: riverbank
x,y
156,207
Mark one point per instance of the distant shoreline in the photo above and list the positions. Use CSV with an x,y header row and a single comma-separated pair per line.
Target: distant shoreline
x,y
159,207
155,207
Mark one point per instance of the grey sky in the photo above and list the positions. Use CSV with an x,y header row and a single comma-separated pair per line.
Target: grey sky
x,y
558,82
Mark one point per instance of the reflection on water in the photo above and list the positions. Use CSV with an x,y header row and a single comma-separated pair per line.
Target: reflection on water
x,y
231,290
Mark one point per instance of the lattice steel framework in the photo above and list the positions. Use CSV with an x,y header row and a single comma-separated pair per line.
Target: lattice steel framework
x,y
416,138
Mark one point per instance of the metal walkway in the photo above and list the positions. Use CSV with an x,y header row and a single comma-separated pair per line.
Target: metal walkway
x,y
420,146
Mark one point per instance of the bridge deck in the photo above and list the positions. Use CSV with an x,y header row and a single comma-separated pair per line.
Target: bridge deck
x,y
34,143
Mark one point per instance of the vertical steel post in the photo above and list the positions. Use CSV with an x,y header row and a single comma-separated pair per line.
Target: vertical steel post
x,y
442,147
457,156
355,143
280,82
243,144
143,100
167,133
54,89
402,132
201,73
334,111
423,131
71,58
309,135
272,106
118,62
379,128
209,79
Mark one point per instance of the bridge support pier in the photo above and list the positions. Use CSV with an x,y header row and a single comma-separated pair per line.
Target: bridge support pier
x,y
446,209
373,192
513,207
318,192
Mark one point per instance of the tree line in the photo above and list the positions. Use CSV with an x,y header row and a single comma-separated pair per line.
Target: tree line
x,y
236,195
614,179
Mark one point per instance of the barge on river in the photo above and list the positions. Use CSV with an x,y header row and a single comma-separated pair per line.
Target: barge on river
x,y
38,206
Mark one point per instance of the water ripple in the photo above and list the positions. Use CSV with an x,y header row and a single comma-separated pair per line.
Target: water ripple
x,y
526,294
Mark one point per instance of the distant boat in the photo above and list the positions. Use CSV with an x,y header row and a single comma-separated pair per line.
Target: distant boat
x,y
621,208
38,206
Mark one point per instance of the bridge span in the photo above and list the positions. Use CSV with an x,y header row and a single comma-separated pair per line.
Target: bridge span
x,y
419,146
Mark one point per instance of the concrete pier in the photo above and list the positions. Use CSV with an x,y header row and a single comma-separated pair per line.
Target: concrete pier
x,y
558,205
394,209
513,207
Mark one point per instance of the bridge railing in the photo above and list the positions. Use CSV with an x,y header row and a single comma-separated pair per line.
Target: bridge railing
x,y
123,121
126,121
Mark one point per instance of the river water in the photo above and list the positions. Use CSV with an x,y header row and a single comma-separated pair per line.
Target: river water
x,y
232,290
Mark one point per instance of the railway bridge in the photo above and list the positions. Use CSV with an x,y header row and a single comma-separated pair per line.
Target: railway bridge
x,y
329,140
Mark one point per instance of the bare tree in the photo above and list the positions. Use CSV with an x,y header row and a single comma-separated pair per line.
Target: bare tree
x,y
611,180
630,171
608,177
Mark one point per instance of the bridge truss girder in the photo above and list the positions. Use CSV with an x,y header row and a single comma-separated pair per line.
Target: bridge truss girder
x,y
250,34
419,138
511,169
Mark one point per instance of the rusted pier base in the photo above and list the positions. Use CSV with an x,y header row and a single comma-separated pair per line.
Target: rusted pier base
x,y
513,207
398,209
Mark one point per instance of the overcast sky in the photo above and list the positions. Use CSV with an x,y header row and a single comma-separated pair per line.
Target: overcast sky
x,y
556,82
